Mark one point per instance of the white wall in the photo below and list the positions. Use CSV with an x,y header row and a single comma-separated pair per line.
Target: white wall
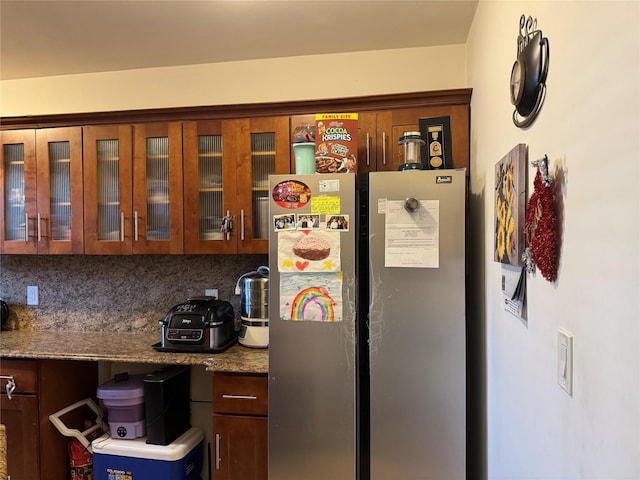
x,y
589,127
274,80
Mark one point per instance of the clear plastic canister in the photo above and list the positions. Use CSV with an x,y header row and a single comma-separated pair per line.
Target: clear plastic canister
x,y
412,142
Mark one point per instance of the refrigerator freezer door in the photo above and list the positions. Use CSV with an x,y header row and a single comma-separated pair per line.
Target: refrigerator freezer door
x,y
312,425
417,336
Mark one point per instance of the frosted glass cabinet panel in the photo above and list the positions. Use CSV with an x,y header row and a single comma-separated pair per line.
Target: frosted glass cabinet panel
x,y
157,188
60,190
42,191
263,163
108,185
210,187
14,166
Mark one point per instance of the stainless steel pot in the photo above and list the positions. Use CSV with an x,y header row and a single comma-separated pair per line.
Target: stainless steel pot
x,y
254,294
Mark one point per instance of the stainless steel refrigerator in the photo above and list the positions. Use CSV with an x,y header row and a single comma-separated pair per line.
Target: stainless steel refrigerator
x,y
367,369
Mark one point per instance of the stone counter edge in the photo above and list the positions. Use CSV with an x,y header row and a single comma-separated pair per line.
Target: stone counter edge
x,y
125,347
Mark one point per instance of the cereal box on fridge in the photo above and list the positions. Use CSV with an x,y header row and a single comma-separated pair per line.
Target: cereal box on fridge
x,y
336,142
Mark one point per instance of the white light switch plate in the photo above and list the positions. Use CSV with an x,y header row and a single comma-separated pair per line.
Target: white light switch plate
x,y
565,360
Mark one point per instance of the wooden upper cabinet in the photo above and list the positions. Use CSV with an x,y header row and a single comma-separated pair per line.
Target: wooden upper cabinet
x,y
367,142
209,187
262,147
157,188
392,124
108,207
19,189
227,164
133,189
168,186
59,221
42,191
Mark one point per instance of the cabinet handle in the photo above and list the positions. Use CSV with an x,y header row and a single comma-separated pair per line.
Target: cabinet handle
x,y
26,227
240,397
135,225
122,226
384,148
242,224
11,384
39,229
368,148
218,451
229,225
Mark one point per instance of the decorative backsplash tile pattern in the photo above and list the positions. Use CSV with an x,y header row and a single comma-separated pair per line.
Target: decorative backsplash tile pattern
x,y
113,293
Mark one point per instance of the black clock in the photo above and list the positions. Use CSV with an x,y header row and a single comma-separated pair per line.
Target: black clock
x,y
529,73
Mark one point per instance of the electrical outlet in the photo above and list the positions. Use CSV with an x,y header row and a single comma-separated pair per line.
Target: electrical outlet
x,y
211,292
32,295
565,361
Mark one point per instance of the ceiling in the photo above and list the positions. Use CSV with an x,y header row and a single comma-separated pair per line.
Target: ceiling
x,y
43,38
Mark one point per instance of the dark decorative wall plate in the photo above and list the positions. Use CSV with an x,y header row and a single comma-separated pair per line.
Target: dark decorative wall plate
x,y
529,73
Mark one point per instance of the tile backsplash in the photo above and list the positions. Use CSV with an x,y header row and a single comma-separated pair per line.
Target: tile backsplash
x,y
113,293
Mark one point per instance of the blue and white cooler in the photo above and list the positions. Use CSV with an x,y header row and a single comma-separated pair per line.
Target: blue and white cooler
x,y
137,460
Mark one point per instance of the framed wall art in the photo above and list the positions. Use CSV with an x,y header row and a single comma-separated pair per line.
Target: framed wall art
x,y
436,152
509,203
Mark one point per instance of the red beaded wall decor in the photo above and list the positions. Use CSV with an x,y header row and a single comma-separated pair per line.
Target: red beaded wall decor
x,y
540,228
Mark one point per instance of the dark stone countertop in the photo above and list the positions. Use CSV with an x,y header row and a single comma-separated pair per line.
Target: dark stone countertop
x,y
125,347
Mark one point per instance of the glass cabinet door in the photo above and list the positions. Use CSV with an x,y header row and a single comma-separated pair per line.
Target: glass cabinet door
x,y
209,188
59,219
18,177
157,188
264,146
107,190
42,191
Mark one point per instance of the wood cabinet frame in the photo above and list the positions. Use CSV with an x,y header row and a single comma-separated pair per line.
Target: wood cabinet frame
x,y
370,103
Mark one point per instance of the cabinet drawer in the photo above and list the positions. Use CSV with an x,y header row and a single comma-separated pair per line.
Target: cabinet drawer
x,y
239,394
24,373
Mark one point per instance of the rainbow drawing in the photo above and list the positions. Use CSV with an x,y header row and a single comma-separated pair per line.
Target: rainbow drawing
x,y
316,299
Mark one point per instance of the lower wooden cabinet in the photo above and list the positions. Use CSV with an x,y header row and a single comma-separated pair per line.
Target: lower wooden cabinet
x,y
20,417
35,448
240,427
240,447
